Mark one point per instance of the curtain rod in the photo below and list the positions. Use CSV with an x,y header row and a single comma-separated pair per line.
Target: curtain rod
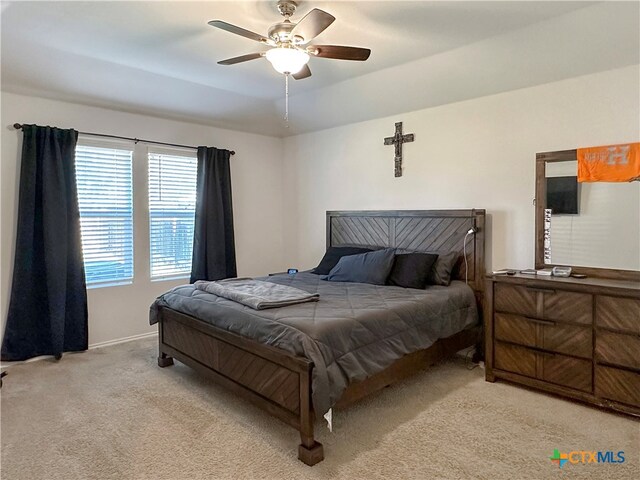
x,y
18,126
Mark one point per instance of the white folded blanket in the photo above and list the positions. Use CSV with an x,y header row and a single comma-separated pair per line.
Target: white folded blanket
x,y
257,294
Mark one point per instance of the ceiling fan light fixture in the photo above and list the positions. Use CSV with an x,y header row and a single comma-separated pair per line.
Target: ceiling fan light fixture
x,y
287,60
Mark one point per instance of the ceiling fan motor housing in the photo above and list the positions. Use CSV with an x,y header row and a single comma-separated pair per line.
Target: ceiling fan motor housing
x,y
281,33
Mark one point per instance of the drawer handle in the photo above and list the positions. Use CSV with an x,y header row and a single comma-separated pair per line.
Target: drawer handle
x,y
541,289
541,322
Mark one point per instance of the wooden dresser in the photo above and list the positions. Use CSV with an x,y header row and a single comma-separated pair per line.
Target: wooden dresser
x,y
571,337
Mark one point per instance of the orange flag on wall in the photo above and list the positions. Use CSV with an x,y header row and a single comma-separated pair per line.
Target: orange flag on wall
x,y
611,163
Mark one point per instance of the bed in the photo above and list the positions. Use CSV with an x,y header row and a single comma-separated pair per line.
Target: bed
x,y
296,362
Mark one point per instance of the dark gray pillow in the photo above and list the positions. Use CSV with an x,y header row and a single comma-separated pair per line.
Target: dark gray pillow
x,y
371,267
411,270
443,268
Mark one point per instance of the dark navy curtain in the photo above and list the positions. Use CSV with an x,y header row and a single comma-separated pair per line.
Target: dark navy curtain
x,y
214,251
48,304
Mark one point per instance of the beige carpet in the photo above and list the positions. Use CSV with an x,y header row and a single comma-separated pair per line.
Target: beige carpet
x,y
111,413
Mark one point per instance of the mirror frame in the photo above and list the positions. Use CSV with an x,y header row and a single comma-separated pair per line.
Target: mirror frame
x,y
540,203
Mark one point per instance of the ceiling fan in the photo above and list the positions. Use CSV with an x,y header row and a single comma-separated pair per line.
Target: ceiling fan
x,y
290,52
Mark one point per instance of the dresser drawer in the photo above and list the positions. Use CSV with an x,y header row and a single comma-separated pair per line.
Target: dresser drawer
x,y
515,299
544,334
566,371
512,358
569,339
618,313
557,305
616,384
515,328
551,367
618,349
568,306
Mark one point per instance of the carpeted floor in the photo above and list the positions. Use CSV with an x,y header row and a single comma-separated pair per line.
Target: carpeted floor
x,y
111,413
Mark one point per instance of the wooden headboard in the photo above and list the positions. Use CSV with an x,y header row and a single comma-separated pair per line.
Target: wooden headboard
x,y
419,230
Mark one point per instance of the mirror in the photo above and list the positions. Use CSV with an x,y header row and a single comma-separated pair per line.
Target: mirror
x,y
589,224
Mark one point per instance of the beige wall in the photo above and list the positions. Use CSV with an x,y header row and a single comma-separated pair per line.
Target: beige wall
x,y
478,153
256,169
474,154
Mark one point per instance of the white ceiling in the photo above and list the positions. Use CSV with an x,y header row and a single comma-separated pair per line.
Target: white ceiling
x,y
160,57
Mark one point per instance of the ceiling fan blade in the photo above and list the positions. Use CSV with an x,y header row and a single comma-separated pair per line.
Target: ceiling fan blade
x,y
243,58
312,24
304,73
340,52
238,31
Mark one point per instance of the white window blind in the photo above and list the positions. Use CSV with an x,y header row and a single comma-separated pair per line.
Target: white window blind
x,y
172,206
104,178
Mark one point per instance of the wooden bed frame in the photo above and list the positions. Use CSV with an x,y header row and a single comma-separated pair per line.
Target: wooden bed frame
x,y
279,382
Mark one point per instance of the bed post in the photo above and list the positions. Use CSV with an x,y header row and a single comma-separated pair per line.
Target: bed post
x,y
310,452
479,222
164,360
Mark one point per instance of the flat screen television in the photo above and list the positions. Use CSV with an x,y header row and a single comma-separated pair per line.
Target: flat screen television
x,y
562,195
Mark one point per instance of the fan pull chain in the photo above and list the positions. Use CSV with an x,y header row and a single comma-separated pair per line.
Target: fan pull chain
x,y
286,100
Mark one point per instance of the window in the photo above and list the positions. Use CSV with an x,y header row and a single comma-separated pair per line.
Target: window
x,y
172,207
104,178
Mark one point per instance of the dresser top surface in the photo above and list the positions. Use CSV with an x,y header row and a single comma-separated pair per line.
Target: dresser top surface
x,y
568,282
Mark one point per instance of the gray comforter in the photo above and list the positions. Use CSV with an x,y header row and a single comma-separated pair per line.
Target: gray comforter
x,y
353,332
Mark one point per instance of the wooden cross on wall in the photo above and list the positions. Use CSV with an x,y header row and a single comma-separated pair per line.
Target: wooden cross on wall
x,y
398,139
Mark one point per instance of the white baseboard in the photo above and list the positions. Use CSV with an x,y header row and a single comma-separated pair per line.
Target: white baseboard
x,y
108,343
122,340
